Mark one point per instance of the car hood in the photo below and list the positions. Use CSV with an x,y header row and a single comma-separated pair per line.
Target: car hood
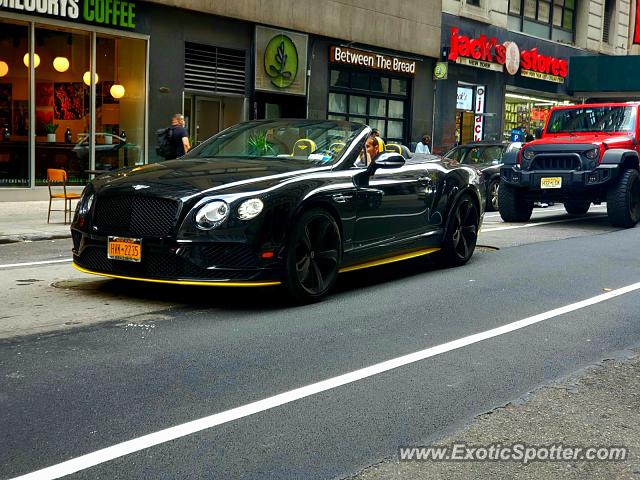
x,y
611,140
185,178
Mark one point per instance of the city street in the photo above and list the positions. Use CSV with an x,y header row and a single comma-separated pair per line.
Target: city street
x,y
88,363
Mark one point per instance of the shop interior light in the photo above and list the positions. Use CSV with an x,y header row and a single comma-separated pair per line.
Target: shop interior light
x,y
61,64
36,60
117,90
546,101
86,78
4,68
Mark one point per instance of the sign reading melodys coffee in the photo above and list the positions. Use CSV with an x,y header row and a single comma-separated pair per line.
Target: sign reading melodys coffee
x,y
376,61
486,52
113,13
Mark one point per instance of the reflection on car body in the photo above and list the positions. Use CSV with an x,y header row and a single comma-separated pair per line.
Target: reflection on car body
x,y
250,207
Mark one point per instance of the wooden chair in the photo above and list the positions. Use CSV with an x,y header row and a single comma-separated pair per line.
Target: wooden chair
x,y
57,178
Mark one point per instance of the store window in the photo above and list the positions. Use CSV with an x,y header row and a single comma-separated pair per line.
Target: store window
x,y
119,111
62,104
57,103
377,100
554,19
14,105
527,113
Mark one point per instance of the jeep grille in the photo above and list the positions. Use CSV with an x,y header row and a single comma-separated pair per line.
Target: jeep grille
x,y
554,162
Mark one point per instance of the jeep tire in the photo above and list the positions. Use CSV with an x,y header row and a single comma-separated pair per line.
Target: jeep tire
x,y
576,207
623,200
512,205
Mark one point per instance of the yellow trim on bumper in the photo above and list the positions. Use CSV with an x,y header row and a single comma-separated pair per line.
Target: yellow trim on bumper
x,y
181,282
384,261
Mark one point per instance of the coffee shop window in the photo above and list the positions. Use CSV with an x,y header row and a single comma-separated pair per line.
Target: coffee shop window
x,y
62,103
120,105
14,105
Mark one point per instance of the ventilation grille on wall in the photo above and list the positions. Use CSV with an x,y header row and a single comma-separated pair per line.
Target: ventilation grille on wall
x,y
214,69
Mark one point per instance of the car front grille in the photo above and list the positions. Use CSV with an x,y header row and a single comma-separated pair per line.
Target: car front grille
x,y
135,215
229,255
559,162
154,265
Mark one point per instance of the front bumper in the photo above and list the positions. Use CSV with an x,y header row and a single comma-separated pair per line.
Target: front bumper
x,y
170,261
572,181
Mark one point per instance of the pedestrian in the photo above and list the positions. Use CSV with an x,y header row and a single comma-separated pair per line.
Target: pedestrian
x,y
375,132
424,145
179,137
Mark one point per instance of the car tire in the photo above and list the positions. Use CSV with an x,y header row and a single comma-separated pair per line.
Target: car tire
x,y
493,201
577,207
313,254
461,234
623,200
512,205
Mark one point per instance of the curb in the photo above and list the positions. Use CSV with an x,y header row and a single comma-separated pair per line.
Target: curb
x,y
32,237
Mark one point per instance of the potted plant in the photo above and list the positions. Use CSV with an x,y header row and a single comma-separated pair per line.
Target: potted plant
x,y
259,145
51,131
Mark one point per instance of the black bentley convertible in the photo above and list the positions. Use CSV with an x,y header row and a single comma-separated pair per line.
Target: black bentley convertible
x,y
291,202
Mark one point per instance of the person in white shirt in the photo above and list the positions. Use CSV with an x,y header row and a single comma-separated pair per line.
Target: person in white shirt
x,y
423,145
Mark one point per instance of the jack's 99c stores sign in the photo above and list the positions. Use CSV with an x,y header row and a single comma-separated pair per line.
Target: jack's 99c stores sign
x,y
485,52
107,13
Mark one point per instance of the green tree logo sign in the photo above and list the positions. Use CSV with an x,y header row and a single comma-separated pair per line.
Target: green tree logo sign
x,y
281,61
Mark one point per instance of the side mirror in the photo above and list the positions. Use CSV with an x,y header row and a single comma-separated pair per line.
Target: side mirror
x,y
389,160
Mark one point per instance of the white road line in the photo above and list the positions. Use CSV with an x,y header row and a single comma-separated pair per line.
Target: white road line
x,y
30,264
106,454
536,224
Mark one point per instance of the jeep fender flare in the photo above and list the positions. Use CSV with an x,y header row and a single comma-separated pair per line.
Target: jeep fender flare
x,y
627,159
511,157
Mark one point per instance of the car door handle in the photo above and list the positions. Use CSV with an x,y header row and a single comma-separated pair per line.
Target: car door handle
x,y
424,180
342,198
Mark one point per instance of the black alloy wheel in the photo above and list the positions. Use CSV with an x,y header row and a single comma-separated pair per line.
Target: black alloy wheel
x,y
313,256
462,232
492,195
623,200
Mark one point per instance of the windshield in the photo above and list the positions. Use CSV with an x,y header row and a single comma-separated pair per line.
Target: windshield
x,y
317,142
592,119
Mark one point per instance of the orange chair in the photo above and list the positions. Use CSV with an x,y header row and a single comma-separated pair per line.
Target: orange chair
x,y
58,178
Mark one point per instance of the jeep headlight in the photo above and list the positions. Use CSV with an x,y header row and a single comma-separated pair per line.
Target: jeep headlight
x,y
528,154
212,214
593,153
250,209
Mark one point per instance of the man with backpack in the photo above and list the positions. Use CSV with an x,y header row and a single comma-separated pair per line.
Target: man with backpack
x,y
173,142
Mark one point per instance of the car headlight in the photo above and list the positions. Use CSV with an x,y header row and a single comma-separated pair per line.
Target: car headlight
x,y
211,215
528,154
593,153
250,209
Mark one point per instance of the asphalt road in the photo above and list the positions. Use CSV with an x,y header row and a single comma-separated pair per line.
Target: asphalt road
x,y
106,362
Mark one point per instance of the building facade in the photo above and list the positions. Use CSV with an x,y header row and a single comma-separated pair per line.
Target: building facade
x,y
86,86
509,62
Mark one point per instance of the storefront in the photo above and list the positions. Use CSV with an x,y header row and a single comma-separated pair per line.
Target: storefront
x,y
391,93
52,115
498,83
148,62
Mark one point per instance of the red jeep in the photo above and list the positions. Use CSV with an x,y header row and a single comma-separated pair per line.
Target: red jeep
x,y
587,154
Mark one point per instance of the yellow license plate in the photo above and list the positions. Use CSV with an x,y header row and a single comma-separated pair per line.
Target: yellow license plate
x,y
551,182
127,249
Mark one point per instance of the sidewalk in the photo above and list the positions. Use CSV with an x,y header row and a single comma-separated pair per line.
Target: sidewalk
x,y
20,221
595,407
